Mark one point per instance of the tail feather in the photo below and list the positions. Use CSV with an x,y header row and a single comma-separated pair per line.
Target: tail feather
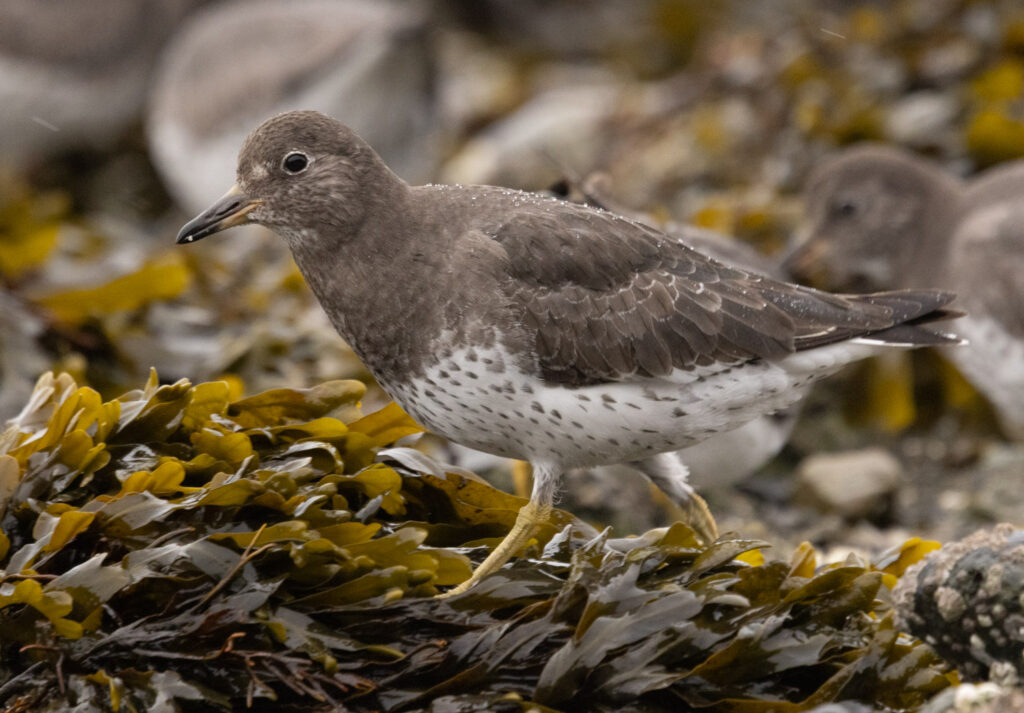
x,y
907,305
911,335
909,311
912,309
939,315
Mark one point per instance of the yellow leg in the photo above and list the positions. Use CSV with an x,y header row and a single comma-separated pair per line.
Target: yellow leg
x,y
522,477
670,475
531,515
697,515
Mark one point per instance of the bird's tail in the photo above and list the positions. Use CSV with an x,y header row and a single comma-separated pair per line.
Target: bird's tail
x,y
896,318
912,310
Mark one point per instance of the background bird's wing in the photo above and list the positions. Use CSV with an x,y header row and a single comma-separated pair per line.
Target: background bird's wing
x,y
988,254
607,297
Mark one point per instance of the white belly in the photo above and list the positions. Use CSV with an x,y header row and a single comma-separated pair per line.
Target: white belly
x,y
479,399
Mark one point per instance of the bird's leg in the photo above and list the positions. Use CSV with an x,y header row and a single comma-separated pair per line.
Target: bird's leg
x,y
534,513
670,474
522,476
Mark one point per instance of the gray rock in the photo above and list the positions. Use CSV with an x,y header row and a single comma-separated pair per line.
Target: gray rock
x,y
967,602
853,484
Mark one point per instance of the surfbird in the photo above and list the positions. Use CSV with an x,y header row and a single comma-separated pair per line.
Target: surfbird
x,y
880,217
717,463
371,63
539,329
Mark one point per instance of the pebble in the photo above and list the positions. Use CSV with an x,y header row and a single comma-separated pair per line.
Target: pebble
x,y
919,118
853,484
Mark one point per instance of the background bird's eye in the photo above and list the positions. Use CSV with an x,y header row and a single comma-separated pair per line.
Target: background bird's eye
x,y
295,162
844,209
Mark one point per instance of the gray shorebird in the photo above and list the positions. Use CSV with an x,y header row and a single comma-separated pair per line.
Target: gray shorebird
x,y
880,217
538,329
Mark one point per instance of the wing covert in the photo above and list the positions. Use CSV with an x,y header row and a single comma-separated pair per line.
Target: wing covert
x,y
607,298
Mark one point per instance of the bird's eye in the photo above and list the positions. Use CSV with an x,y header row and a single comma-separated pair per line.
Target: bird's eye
x,y
844,209
295,162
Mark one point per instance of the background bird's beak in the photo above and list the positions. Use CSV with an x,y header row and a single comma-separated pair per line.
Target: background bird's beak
x,y
806,263
232,209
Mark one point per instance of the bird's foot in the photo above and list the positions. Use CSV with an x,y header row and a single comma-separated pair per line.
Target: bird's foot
x,y
529,517
697,515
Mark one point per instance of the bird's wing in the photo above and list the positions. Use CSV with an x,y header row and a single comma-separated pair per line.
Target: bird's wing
x,y
606,298
988,257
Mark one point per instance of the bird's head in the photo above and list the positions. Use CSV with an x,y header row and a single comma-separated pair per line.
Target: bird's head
x,y
868,213
298,173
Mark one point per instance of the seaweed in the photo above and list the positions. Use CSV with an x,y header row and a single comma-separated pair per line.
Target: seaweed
x,y
172,549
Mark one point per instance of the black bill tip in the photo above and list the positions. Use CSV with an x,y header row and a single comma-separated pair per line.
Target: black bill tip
x,y
231,210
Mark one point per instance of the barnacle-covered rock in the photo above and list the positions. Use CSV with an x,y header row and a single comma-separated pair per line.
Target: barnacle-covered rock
x,y
967,602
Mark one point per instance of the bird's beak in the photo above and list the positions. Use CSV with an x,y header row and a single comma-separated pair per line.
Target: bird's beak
x,y
806,262
231,210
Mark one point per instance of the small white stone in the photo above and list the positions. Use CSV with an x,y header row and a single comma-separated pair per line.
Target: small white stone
x,y
1003,673
854,483
918,117
967,695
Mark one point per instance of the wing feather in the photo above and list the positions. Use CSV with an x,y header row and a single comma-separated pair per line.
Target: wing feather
x,y
605,298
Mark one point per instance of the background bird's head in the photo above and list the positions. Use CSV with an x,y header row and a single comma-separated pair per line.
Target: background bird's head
x,y
869,212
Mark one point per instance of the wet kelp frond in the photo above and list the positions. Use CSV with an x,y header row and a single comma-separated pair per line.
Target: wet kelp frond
x,y
171,550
